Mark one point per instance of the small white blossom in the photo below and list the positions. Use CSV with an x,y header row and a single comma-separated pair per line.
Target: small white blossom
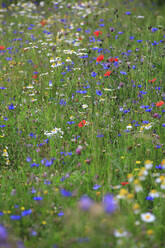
x,y
84,106
148,217
120,233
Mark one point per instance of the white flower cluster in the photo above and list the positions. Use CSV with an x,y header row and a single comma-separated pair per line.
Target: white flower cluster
x,y
55,131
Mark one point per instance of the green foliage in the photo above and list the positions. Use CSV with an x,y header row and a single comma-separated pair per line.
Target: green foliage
x,y
67,130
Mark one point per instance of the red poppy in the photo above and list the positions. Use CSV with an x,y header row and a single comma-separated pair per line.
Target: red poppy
x,y
113,59
34,76
97,33
124,183
158,104
43,22
152,81
2,48
82,123
107,74
100,58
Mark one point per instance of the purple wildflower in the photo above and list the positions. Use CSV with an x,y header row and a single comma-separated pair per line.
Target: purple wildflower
x,y
3,233
85,203
109,204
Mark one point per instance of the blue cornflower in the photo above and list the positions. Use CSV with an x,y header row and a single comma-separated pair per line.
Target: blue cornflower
x,y
8,58
155,43
154,30
87,31
70,122
145,122
96,187
65,193
128,13
149,198
131,37
148,110
37,198
47,182
100,136
26,212
60,214
15,217
123,72
50,83
99,93
158,167
11,106
143,92
163,125
93,74
33,233
81,91
32,135
126,111
62,102
48,163
139,41
84,56
33,191
2,126
34,165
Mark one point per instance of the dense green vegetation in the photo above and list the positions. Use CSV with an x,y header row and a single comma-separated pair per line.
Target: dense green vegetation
x,y
82,130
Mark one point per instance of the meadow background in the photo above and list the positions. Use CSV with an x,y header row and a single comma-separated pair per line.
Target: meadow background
x,y
82,127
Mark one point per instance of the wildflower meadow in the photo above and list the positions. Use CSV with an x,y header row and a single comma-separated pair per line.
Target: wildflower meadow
x,y
82,124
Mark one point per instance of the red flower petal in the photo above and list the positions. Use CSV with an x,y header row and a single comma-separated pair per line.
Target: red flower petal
x,y
97,33
2,48
124,183
158,104
100,58
152,81
113,59
34,76
43,22
107,74
82,123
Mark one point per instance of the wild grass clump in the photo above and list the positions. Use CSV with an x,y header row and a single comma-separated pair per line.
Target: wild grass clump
x,y
82,102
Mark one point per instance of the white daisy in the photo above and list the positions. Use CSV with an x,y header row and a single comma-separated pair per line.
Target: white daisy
x,y
120,233
153,193
148,164
162,186
84,106
148,217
